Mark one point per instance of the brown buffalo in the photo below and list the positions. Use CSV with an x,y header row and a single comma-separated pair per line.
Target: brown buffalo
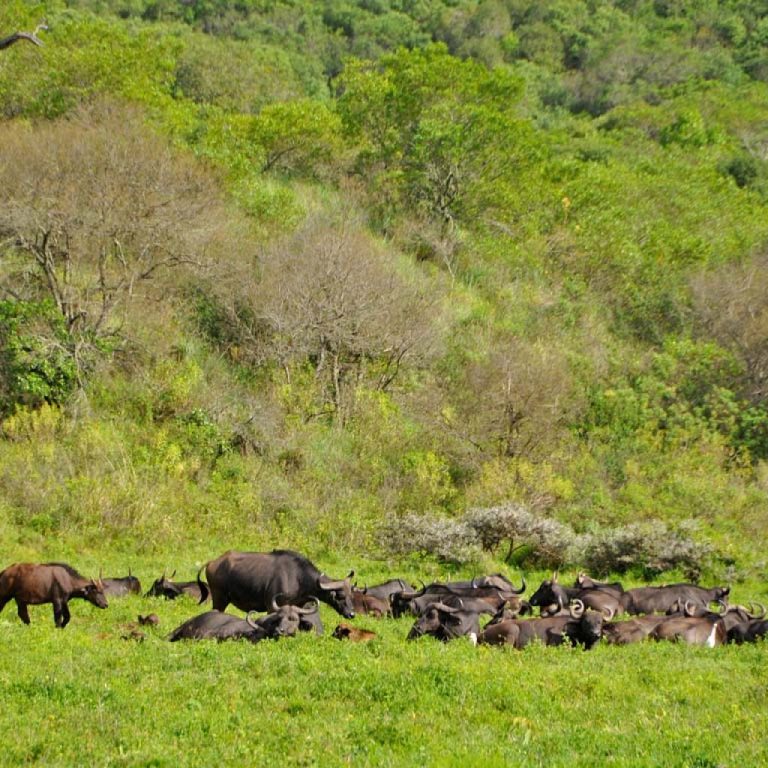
x,y
57,583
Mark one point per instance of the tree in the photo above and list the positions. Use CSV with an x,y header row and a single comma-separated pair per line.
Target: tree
x,y
93,211
32,37
333,297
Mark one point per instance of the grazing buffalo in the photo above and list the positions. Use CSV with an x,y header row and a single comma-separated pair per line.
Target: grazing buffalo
x,y
446,622
170,590
122,586
661,599
346,631
57,583
252,580
283,621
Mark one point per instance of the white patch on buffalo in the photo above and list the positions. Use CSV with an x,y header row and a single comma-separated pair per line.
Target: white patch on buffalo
x,y
711,638
473,638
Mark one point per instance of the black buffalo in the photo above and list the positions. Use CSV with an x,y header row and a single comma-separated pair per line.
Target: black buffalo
x,y
252,580
446,622
661,599
215,625
580,627
170,590
122,586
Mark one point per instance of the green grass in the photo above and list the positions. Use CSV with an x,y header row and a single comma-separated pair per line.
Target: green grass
x,y
84,696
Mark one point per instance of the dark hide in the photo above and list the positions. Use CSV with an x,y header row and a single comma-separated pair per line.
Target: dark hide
x,y
252,580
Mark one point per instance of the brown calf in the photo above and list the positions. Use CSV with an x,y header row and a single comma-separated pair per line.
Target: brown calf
x,y
346,631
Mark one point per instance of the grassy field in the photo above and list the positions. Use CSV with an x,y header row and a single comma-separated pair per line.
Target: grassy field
x,y
85,696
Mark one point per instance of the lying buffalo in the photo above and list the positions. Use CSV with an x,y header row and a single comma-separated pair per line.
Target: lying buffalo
x,y
122,585
57,583
170,590
283,621
446,622
580,627
252,580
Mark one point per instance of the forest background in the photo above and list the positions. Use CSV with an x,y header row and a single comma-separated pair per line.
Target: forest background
x,y
415,287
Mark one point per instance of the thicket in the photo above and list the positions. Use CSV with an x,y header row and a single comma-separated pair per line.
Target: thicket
x,y
299,268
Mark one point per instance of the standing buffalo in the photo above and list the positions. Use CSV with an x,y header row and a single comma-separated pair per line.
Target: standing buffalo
x,y
252,580
57,583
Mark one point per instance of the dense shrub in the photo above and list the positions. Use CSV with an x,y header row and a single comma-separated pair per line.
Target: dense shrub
x,y
650,548
448,540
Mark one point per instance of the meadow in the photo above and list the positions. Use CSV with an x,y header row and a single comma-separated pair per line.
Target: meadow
x,y
86,696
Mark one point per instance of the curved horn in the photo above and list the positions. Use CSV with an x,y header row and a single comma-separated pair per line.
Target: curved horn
x,y
330,585
760,608
351,574
521,590
608,612
274,604
174,573
251,621
445,608
722,607
315,606
577,609
690,609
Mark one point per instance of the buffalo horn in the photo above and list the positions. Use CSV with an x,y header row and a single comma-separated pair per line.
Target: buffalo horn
x,y
577,609
690,609
251,621
445,608
312,609
275,606
760,610
521,590
331,585
608,612
350,574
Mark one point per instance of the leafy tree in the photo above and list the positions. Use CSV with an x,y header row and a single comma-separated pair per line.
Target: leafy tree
x,y
93,211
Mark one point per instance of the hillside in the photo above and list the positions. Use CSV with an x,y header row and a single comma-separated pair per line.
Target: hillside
x,y
349,276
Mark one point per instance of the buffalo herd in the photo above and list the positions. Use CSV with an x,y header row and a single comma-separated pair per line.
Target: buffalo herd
x,y
288,589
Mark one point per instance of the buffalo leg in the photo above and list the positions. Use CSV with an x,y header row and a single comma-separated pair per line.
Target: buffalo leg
x,y
60,613
21,609
4,601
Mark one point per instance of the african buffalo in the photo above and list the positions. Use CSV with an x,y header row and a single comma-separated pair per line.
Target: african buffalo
x,y
446,622
283,621
122,586
491,596
383,591
252,580
580,627
368,605
57,583
702,630
661,599
554,599
170,590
